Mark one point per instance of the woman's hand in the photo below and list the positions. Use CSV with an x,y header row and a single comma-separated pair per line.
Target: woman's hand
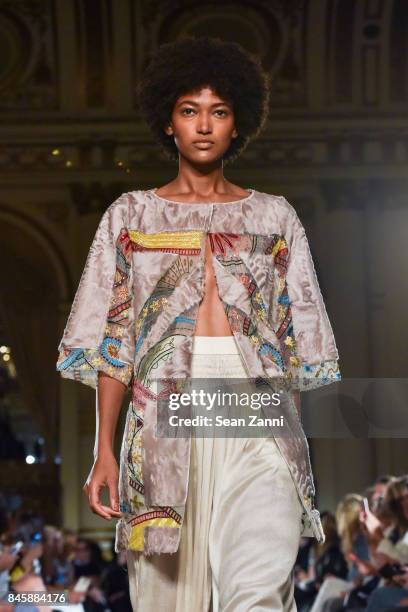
x,y
371,525
365,568
104,473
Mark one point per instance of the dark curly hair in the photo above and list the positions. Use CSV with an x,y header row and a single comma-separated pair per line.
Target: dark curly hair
x,y
193,62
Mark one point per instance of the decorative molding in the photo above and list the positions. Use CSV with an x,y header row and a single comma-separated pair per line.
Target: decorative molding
x,y
29,56
360,67
384,150
273,29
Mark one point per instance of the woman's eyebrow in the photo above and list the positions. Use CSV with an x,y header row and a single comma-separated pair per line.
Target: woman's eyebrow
x,y
197,103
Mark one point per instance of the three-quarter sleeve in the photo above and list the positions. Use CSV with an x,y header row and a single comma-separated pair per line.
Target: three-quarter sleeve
x,y
99,332
315,356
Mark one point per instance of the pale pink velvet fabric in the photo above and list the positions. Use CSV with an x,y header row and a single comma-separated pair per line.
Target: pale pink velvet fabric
x,y
153,471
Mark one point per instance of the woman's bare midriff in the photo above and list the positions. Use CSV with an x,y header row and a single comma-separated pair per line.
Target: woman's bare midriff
x,y
211,317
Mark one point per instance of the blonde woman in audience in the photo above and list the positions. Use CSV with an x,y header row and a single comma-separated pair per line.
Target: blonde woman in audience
x,y
352,545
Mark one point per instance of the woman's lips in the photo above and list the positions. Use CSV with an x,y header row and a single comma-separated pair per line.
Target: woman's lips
x,y
203,145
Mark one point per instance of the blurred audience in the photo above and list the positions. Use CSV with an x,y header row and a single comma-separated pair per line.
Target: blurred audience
x,y
362,565
372,529
38,557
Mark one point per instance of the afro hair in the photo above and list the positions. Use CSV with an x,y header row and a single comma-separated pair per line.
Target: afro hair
x,y
190,63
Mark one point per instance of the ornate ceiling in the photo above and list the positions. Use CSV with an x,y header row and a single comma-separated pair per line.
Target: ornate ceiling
x,y
68,71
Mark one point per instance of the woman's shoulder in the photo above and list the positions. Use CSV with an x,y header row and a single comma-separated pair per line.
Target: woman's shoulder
x,y
269,210
123,202
123,209
279,203
275,211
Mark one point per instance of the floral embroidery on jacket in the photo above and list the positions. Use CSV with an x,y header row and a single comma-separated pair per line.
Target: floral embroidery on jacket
x,y
145,275
85,363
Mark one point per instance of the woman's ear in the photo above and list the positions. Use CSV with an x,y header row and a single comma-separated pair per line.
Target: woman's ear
x,y
169,129
234,133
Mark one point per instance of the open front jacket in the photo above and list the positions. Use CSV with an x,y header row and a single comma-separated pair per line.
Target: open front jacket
x,y
134,315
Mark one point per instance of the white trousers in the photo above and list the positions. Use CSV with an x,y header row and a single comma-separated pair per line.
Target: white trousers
x,y
241,529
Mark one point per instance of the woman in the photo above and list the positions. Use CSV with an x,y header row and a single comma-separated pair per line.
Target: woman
x,y
329,563
391,547
361,577
202,279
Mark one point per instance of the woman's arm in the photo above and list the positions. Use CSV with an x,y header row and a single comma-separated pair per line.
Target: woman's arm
x,y
108,404
105,472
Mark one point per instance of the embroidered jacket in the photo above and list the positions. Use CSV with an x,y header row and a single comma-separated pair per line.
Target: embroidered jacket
x,y
134,315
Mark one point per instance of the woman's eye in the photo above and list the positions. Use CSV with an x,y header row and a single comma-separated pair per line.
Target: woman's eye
x,y
190,111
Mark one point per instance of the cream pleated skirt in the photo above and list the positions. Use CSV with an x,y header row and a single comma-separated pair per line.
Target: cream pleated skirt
x,y
241,529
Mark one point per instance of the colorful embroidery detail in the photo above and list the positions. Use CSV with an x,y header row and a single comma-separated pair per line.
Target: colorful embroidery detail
x,y
154,518
232,244
159,297
240,322
183,243
222,243
238,269
312,376
82,363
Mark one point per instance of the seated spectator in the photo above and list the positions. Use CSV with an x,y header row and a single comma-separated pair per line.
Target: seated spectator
x,y
352,545
19,556
88,562
362,556
58,569
328,560
376,498
391,548
115,583
383,526
303,558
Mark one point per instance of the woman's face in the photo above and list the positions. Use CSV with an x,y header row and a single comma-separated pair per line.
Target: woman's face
x,y
82,552
202,116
